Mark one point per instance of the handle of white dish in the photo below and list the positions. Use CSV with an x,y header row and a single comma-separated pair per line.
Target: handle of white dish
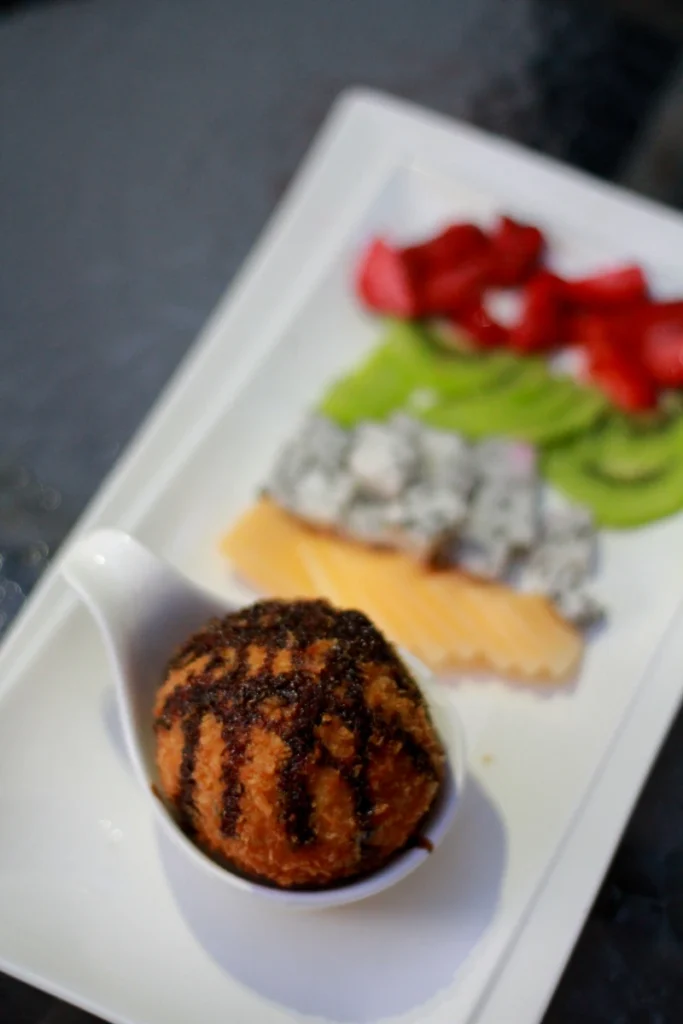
x,y
144,608
134,596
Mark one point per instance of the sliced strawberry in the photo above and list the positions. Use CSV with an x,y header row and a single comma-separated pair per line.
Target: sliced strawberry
x,y
600,339
574,327
616,367
483,328
539,327
451,291
663,353
643,316
625,385
454,245
623,286
516,252
383,281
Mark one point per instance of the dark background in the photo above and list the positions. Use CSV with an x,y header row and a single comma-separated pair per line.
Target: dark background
x,y
143,144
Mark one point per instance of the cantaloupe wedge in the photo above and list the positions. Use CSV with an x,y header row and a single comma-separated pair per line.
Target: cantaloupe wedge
x,y
447,619
263,547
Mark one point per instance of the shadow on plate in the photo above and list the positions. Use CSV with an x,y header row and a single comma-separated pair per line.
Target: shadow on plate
x,y
374,959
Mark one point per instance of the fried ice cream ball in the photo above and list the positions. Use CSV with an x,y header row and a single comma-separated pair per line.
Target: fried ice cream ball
x,y
294,746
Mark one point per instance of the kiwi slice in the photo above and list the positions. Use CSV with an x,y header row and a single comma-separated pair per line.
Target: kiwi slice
x,y
629,473
573,410
634,448
477,394
497,410
407,363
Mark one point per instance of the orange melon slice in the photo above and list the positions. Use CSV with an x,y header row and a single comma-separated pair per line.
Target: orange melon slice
x,y
262,546
378,582
447,619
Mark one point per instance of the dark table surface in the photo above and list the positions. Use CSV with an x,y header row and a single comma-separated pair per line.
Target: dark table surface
x,y
143,145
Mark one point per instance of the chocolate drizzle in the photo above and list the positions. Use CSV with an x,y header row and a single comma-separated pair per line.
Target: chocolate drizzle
x,y
330,653
191,726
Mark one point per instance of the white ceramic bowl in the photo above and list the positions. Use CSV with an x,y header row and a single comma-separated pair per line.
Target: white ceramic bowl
x,y
144,608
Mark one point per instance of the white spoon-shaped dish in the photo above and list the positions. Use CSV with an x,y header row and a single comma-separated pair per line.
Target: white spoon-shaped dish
x,y
144,609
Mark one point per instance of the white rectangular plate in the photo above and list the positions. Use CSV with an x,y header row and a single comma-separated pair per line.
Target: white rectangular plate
x,y
95,906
